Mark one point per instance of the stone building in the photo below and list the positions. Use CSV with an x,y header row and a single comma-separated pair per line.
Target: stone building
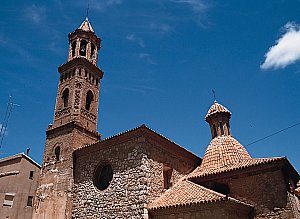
x,y
19,176
140,173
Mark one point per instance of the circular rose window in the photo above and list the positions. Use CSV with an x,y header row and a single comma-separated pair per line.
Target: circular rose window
x,y
103,176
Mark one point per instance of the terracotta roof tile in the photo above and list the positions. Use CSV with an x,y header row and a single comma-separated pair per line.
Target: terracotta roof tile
x,y
200,172
216,108
222,151
186,192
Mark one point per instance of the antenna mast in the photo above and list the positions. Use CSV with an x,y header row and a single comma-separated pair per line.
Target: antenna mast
x,y
9,109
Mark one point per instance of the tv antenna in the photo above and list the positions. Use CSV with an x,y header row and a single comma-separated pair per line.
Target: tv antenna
x,y
9,109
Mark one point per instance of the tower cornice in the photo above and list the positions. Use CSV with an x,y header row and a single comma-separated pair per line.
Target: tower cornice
x,y
69,127
81,61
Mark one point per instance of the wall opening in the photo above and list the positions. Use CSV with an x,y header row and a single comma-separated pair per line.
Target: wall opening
x,y
103,176
228,128
57,153
9,200
89,99
82,50
221,188
30,201
93,51
73,48
167,174
214,131
221,128
65,97
31,174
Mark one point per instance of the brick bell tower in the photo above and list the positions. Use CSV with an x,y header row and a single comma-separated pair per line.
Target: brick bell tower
x,y
75,123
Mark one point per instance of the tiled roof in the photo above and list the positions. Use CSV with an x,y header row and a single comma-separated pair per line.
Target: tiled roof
x,y
216,108
86,26
222,151
200,172
187,193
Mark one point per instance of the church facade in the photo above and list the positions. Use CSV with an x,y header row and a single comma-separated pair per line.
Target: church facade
x,y
140,173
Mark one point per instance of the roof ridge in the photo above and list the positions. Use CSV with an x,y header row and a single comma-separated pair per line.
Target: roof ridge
x,y
199,173
142,126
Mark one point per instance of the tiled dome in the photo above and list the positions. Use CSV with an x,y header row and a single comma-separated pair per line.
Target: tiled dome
x,y
223,150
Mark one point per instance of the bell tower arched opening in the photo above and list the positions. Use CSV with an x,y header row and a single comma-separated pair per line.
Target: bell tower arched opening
x,y
89,99
65,97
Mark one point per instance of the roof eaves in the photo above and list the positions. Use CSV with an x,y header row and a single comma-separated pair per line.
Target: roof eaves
x,y
266,161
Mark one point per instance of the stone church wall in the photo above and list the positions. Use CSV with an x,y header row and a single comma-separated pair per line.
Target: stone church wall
x,y
266,191
137,179
211,211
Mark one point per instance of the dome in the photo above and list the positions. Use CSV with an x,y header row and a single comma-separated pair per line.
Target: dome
x,y
222,151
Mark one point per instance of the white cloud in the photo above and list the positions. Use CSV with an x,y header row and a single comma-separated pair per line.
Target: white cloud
x,y
286,51
102,5
133,38
197,6
162,28
35,13
147,58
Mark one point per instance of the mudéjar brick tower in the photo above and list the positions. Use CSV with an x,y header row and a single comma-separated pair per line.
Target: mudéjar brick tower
x,y
75,123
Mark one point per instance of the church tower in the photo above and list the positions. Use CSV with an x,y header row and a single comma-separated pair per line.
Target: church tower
x,y
75,123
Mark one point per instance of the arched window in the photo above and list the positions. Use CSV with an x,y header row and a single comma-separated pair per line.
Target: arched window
x,y
65,97
82,50
57,153
89,99
73,48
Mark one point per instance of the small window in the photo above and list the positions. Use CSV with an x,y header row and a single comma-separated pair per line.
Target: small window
x,y
9,200
31,174
73,48
214,130
221,128
57,153
30,201
65,97
89,99
103,176
167,174
82,50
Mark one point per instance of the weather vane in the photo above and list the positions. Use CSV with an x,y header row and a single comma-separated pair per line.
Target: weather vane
x,y
214,93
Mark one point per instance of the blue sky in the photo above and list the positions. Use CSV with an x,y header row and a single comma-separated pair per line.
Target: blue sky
x,y
161,60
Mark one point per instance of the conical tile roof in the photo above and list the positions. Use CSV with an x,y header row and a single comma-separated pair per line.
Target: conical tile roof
x,y
86,26
216,108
